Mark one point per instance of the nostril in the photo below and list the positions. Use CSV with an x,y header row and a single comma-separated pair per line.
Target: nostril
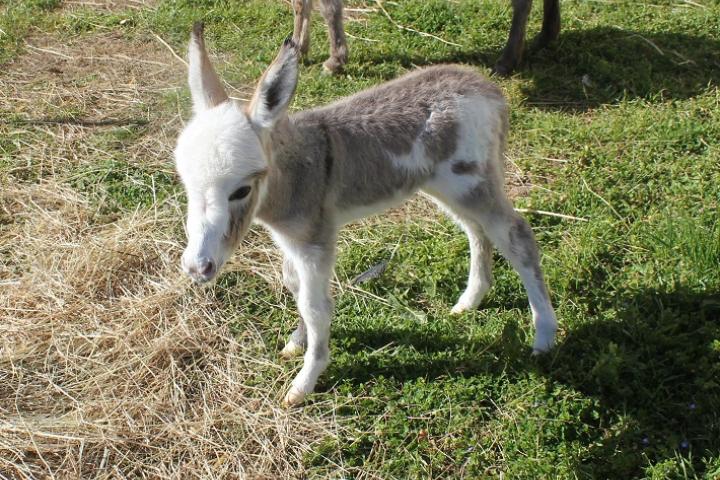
x,y
205,267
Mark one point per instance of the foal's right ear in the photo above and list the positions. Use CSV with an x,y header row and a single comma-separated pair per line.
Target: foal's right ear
x,y
205,86
276,88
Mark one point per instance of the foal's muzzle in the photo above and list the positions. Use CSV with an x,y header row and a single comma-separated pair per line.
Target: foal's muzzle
x,y
201,269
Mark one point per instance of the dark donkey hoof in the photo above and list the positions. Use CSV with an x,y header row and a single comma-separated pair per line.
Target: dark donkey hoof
x,y
503,69
506,64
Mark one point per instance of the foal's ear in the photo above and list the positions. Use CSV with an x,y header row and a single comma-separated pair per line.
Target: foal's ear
x,y
276,87
205,87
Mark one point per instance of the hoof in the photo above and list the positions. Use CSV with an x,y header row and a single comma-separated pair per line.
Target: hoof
x,y
460,308
542,41
502,69
291,350
543,344
293,398
332,66
548,34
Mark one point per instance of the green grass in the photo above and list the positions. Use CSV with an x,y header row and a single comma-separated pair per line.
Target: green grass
x,y
19,19
632,389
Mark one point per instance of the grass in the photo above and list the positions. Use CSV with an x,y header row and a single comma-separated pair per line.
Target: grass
x,y
616,123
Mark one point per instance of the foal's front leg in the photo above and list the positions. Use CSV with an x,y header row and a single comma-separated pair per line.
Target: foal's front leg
x,y
295,345
313,266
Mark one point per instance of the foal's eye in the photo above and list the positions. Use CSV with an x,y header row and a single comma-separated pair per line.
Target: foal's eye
x,y
240,193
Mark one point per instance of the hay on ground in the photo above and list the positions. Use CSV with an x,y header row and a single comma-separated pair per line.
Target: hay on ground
x,y
111,366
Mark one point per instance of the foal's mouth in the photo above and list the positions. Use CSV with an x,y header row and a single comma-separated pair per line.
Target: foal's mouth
x,y
202,271
202,280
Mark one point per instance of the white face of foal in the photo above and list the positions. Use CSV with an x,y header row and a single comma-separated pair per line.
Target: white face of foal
x,y
219,155
221,165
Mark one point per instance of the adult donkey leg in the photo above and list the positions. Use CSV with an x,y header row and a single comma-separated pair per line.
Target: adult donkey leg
x,y
297,342
301,32
551,24
332,11
512,53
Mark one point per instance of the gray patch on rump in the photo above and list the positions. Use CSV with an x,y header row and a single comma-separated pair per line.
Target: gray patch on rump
x,y
483,193
487,190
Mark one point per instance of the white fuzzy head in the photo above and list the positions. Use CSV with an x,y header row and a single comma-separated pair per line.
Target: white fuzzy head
x,y
223,155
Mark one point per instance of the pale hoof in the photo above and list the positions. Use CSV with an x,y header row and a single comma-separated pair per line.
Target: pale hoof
x,y
543,343
459,309
293,398
463,306
470,300
332,66
291,350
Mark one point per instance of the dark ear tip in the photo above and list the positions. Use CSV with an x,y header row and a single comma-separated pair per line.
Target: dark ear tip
x,y
198,29
289,43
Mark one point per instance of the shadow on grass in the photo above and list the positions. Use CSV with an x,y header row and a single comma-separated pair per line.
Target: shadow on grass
x,y
587,68
655,365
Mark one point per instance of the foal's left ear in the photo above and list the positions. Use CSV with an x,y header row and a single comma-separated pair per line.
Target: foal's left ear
x,y
276,88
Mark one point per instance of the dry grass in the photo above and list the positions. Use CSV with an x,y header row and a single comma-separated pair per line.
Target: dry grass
x,y
110,366
97,78
62,93
107,5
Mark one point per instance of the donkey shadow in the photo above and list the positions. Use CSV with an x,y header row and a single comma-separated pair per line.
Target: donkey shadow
x,y
604,65
654,363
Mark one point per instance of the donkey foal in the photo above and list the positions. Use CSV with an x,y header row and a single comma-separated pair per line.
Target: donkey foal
x,y
438,130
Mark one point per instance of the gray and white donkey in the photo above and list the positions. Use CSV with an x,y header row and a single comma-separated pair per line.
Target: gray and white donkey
x,y
438,130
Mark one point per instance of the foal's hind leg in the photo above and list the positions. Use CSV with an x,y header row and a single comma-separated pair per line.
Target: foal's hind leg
x,y
478,198
512,235
480,276
481,250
